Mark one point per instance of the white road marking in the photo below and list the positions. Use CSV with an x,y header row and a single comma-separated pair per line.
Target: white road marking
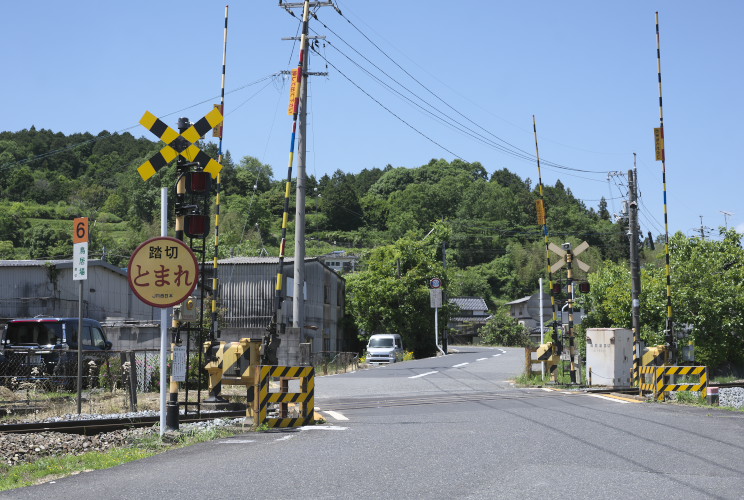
x,y
461,364
481,359
284,438
237,441
608,399
567,392
336,415
424,374
494,355
546,389
323,428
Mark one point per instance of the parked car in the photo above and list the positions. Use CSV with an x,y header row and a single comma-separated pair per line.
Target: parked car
x,y
46,348
385,348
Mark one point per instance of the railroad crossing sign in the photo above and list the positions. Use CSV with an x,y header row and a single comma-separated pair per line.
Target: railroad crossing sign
x,y
184,147
163,272
562,254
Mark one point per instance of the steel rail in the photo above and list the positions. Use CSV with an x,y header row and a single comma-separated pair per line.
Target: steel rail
x,y
97,426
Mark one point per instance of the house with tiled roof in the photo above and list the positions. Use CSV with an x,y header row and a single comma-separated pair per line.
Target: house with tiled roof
x,y
472,313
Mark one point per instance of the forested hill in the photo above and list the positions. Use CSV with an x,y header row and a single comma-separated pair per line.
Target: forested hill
x,y
49,178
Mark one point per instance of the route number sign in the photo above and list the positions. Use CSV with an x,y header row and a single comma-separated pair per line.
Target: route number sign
x,y
163,272
80,249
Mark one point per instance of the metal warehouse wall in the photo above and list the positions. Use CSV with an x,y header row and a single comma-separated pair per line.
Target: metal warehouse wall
x,y
33,288
247,292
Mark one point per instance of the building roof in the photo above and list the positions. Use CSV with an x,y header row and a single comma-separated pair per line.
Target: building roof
x,y
60,263
260,260
469,303
471,319
519,301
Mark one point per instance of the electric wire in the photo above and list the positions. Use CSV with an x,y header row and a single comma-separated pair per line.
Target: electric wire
x,y
386,108
515,149
122,130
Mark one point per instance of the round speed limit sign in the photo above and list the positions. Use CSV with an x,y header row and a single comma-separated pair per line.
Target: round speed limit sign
x,y
435,282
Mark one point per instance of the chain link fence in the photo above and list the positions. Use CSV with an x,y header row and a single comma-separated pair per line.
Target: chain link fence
x,y
44,383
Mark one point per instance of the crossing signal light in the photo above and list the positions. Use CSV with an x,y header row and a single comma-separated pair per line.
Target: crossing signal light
x,y
199,183
556,288
584,287
196,226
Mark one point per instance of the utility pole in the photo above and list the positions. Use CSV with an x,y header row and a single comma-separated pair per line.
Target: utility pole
x,y
635,268
298,302
444,294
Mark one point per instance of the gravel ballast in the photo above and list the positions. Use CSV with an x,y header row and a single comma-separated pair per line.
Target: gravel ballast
x,y
21,448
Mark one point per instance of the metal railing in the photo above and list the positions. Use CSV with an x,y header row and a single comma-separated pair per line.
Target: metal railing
x,y
331,362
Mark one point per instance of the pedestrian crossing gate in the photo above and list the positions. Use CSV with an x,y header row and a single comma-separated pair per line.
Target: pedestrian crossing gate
x,y
304,400
662,376
546,353
180,144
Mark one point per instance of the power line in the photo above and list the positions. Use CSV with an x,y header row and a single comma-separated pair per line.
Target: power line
x,y
386,108
516,151
112,134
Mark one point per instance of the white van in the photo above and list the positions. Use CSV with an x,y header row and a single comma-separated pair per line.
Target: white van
x,y
385,348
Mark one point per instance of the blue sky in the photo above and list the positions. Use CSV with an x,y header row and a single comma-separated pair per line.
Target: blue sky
x,y
586,69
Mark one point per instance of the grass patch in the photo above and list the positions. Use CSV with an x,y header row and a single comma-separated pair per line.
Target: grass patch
x,y
50,468
537,380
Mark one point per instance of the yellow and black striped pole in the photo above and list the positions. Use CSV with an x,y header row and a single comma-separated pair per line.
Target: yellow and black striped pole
x,y
272,341
215,332
542,219
660,155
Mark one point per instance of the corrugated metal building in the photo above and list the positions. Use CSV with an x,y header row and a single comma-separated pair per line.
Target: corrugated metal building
x,y
33,287
247,300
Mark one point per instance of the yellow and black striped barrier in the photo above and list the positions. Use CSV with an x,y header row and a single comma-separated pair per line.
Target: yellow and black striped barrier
x,y
661,375
305,399
546,353
231,363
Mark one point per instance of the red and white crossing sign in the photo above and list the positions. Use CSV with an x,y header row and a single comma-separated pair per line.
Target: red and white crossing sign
x,y
163,272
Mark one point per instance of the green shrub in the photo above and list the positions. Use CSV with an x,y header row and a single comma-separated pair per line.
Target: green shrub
x,y
503,330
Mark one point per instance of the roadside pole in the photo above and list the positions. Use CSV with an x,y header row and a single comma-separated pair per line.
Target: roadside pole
x,y
435,299
80,274
163,319
542,331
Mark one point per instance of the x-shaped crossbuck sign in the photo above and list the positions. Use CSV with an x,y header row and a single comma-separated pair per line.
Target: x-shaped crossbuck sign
x,y
562,254
174,146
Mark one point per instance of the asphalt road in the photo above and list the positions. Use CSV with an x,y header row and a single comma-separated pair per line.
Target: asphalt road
x,y
446,427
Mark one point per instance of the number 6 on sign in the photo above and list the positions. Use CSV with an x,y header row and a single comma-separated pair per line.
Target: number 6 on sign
x,y
81,230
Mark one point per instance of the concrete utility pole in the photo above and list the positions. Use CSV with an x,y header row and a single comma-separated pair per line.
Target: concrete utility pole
x,y
298,302
635,268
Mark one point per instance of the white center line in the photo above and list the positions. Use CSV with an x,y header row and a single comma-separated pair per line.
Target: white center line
x,y
336,415
494,355
461,364
423,374
237,441
481,359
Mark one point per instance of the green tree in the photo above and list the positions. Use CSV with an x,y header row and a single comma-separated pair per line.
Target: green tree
x,y
340,202
503,330
391,294
707,296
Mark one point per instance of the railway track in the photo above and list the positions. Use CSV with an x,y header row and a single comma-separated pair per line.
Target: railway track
x,y
96,426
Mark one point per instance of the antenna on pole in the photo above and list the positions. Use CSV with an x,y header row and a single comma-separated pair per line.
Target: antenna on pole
x,y
726,215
